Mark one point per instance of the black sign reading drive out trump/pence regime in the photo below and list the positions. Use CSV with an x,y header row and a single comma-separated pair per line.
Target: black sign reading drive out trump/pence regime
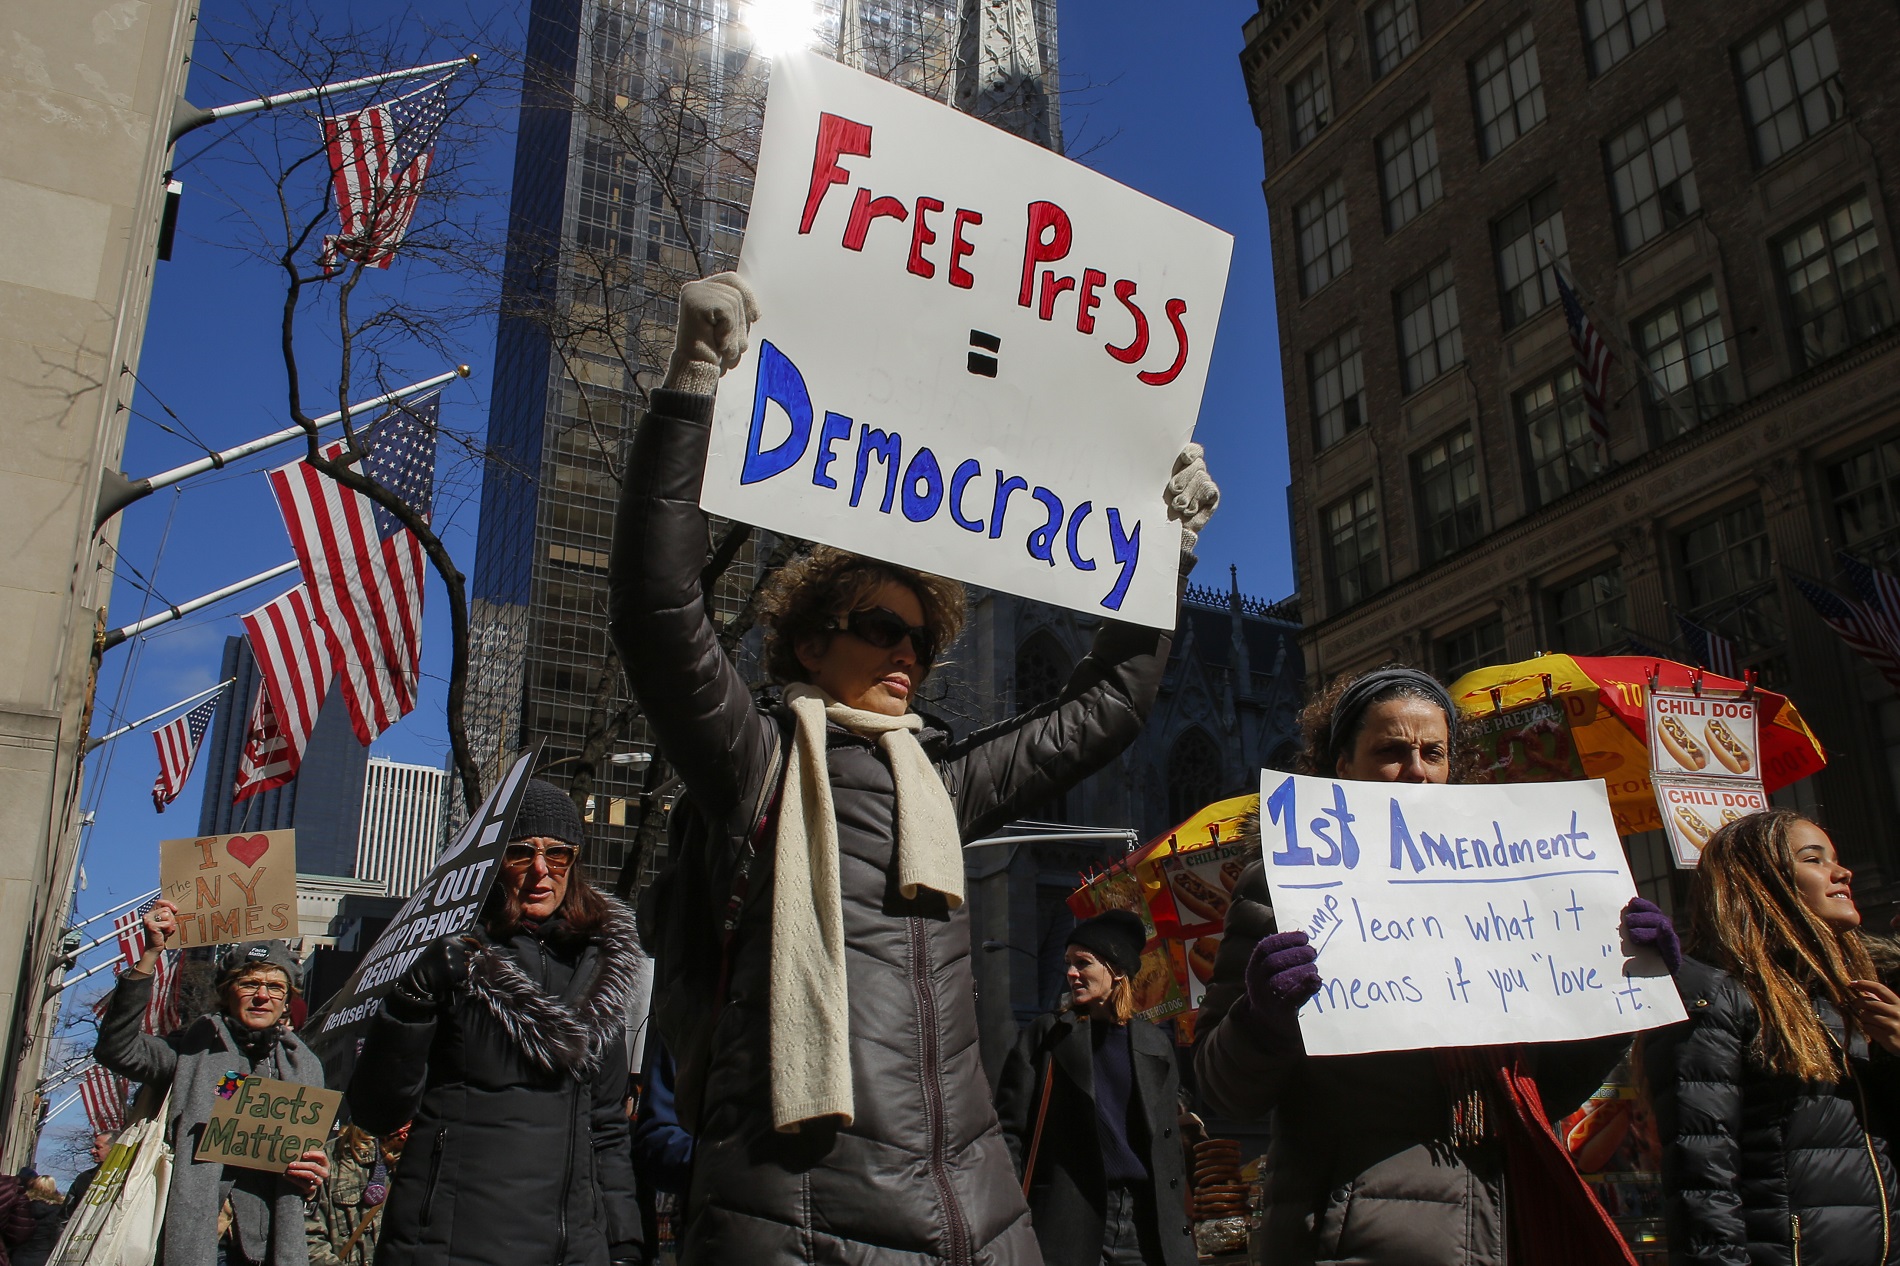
x,y
448,901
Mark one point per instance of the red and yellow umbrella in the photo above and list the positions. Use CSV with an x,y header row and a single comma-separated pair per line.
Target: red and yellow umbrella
x,y
1562,717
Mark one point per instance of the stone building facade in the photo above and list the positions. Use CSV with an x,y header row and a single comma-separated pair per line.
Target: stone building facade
x,y
1713,180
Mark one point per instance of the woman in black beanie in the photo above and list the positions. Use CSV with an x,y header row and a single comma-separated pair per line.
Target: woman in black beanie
x,y
1088,1103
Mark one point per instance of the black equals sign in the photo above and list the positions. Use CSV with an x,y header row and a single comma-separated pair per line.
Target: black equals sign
x,y
980,363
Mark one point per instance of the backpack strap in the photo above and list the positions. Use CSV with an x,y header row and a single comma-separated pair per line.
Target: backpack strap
x,y
771,790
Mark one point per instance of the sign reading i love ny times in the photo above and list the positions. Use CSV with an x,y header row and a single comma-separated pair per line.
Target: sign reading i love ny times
x,y
230,889
448,902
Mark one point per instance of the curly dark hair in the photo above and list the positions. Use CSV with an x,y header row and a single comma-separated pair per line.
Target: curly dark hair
x,y
803,599
1320,747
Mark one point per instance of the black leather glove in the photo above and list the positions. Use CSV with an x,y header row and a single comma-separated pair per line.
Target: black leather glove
x,y
421,992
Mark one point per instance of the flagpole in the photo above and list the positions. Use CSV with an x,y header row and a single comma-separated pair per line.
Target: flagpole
x,y
187,117
116,491
103,739
115,909
183,609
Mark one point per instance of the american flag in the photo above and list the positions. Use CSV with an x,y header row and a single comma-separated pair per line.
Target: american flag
x,y
1865,626
294,673
130,929
362,567
379,156
161,1011
1593,359
1710,649
103,1094
178,742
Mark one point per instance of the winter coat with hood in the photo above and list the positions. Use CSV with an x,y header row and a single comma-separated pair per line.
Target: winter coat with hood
x,y
1068,1190
517,1087
922,1175
1763,1169
1360,1169
268,1210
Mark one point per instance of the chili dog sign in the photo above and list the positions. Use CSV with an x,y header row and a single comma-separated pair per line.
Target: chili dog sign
x,y
1705,763
974,357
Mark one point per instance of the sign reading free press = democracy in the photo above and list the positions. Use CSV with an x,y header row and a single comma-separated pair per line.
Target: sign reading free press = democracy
x,y
1458,916
974,357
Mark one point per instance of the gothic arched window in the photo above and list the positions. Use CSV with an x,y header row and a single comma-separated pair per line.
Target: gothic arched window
x,y
1041,671
1194,775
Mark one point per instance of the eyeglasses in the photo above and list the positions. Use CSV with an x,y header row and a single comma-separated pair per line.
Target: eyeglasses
x,y
884,629
269,988
558,857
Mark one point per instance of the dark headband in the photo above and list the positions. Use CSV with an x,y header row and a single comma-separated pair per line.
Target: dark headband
x,y
1383,683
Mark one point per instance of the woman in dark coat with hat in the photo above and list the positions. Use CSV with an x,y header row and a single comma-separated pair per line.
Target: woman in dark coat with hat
x,y
1106,1173
507,1047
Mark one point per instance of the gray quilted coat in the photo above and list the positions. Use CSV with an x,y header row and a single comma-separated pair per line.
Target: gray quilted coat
x,y
922,1175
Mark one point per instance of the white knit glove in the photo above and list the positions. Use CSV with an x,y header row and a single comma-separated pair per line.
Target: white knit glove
x,y
716,314
1192,494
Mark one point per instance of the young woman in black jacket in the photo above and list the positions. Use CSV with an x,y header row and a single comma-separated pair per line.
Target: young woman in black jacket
x,y
1773,1104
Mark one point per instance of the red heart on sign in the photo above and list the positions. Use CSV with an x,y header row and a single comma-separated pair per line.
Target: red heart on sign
x,y
248,848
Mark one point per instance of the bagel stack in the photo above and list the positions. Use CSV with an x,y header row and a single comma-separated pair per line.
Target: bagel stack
x,y
1219,1189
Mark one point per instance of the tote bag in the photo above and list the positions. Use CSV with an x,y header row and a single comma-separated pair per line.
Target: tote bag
x,y
124,1209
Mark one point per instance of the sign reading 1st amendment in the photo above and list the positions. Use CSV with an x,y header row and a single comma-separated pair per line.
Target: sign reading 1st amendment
x,y
1458,916
974,357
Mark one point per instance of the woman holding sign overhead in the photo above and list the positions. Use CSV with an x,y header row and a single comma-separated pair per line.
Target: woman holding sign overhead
x,y
1775,1100
1424,1157
840,1109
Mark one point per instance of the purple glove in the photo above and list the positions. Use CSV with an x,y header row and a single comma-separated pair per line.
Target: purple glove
x,y
1648,927
1281,975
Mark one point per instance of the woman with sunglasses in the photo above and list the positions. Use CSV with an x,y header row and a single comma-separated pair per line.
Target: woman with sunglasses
x,y
842,1114
507,1047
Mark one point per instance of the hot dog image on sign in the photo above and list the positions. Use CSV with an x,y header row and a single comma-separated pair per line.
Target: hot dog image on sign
x,y
974,357
1711,735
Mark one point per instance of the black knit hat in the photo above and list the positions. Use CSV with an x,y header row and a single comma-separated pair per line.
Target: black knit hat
x,y
547,813
1117,938
235,960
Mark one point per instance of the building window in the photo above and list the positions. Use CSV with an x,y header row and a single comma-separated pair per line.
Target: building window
x,y
1865,492
1528,238
1507,90
1617,28
1564,450
1470,648
1791,83
1391,33
1408,168
1042,670
1836,288
1352,548
1194,775
1687,357
1429,340
1728,577
1338,386
1651,179
1450,506
1309,104
1587,615
1320,223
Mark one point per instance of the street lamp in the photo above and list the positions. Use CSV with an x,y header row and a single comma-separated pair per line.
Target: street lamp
x,y
622,759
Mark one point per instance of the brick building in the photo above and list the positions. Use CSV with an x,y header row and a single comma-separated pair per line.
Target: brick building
x,y
1714,179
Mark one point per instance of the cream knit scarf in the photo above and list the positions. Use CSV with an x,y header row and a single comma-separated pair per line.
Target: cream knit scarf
x,y
810,1011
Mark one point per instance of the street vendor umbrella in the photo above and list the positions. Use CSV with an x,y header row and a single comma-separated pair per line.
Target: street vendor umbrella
x,y
1561,717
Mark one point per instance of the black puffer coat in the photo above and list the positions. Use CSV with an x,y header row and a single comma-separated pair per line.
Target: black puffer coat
x,y
1360,1169
1763,1169
517,1086
922,1175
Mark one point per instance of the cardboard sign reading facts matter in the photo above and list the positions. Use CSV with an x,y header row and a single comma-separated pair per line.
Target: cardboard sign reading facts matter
x,y
230,889
1458,916
267,1124
974,357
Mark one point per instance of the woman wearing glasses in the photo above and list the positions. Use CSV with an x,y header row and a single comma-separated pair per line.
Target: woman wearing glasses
x,y
246,1036
506,1046
842,1114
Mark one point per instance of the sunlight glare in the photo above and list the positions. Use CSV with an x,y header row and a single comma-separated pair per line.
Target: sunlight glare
x,y
781,26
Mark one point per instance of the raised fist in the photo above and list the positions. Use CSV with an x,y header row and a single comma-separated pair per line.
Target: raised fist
x,y
1192,494
161,922
716,314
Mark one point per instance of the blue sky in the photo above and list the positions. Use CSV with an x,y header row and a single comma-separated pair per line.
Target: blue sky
x,y
1158,105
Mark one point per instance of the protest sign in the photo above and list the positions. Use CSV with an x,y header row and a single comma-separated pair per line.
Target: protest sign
x,y
974,356
1458,916
447,902
1705,763
1201,882
262,1123
230,889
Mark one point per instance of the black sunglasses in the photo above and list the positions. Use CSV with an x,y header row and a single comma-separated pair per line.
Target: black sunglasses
x,y
884,629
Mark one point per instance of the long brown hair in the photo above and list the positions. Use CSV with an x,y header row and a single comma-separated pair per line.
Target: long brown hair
x,y
1747,917
582,909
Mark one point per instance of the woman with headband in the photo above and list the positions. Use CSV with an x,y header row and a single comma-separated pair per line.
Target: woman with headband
x,y
1429,1157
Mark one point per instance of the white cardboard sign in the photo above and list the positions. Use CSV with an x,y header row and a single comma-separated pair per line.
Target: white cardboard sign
x,y
974,357
1458,916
